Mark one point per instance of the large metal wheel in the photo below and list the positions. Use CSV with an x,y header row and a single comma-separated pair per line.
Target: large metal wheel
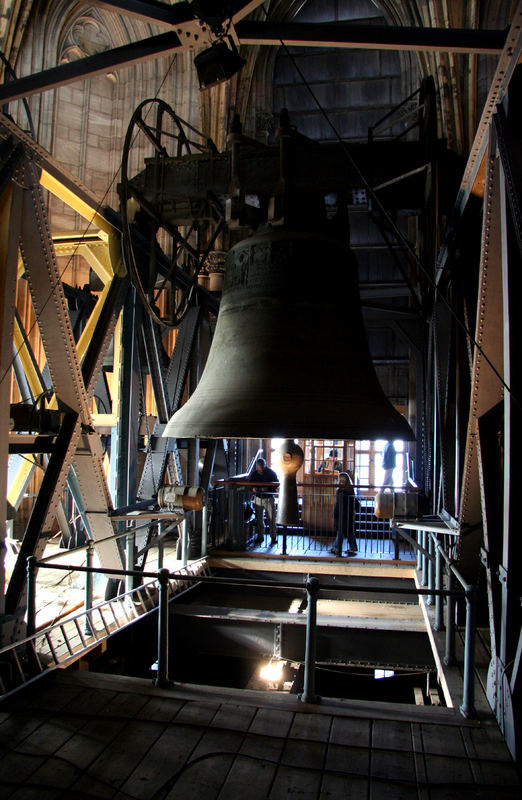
x,y
165,281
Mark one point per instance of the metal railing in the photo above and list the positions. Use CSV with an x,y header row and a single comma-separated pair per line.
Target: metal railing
x,y
434,564
60,644
401,114
232,524
64,642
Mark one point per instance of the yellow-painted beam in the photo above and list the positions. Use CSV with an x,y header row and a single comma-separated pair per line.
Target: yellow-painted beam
x,y
116,368
98,257
31,373
86,210
104,420
88,331
15,493
20,268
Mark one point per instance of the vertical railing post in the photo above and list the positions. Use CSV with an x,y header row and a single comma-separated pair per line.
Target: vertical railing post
x,y
449,657
467,708
130,547
204,530
309,695
162,675
395,535
31,595
184,542
425,560
89,583
160,548
439,599
419,552
431,569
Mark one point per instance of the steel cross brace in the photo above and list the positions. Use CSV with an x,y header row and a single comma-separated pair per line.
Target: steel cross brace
x,y
72,383
168,384
187,32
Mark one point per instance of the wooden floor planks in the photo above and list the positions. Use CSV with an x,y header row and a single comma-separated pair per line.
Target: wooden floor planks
x,y
80,735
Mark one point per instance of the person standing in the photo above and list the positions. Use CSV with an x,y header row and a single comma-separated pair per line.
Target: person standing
x,y
264,502
389,462
344,516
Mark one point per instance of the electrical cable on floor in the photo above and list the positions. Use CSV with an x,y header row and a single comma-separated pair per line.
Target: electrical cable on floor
x,y
223,730
395,230
163,791
82,237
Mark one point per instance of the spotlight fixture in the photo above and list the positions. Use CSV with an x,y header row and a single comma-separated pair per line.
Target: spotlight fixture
x,y
218,63
273,670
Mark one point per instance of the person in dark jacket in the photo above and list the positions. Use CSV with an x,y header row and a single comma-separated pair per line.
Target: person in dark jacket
x,y
264,502
344,516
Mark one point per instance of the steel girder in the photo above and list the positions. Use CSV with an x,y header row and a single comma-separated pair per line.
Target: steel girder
x,y
187,31
472,180
73,380
162,454
73,383
503,549
487,509
259,33
486,387
10,208
381,37
46,505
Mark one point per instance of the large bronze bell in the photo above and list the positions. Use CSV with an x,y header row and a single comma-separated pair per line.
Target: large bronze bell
x,y
289,357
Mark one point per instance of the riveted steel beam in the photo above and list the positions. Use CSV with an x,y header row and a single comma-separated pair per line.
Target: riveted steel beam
x,y
73,383
10,215
473,179
57,180
371,37
49,302
98,64
486,387
88,467
509,150
162,455
52,481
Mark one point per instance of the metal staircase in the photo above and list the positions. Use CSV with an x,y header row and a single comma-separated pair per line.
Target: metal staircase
x,y
59,645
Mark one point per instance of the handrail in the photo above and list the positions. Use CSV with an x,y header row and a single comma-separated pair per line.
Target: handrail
x,y
162,580
89,627
366,486
313,588
95,542
257,582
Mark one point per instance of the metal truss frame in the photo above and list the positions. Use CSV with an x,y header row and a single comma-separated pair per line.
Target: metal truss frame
x,y
494,149
485,475
189,32
73,367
